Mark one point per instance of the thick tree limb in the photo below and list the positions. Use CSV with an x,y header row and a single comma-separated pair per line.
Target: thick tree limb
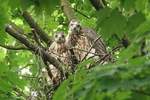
x,y
67,9
37,38
44,36
12,47
37,50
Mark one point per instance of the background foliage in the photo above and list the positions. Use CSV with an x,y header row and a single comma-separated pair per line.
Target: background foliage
x,y
124,22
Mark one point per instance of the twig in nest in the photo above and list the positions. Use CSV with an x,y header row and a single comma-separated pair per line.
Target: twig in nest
x,y
91,48
36,37
105,57
116,48
19,92
85,51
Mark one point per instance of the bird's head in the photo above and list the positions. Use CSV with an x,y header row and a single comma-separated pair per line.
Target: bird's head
x,y
74,26
59,37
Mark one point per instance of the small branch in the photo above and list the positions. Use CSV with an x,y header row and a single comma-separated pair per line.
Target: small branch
x,y
19,92
30,77
116,48
86,51
91,48
44,37
105,57
13,47
36,38
27,65
58,55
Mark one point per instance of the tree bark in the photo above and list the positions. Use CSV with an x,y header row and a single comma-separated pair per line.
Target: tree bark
x,y
34,48
43,36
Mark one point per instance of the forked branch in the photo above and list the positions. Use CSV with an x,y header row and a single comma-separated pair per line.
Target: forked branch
x,y
44,36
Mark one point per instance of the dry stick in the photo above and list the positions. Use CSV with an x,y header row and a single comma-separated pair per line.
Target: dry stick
x,y
116,48
105,56
25,76
19,92
36,38
86,51
58,55
27,65
44,36
46,57
91,48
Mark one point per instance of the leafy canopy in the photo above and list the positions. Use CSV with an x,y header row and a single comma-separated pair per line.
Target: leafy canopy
x,y
120,22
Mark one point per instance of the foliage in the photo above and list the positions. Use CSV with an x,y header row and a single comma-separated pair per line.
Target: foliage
x,y
122,21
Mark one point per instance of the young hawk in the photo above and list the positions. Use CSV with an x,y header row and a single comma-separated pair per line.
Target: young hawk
x,y
82,39
58,49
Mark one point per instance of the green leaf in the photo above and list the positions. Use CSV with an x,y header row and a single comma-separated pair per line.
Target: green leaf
x,y
134,22
128,4
5,86
142,28
114,24
15,80
63,90
140,6
128,53
103,15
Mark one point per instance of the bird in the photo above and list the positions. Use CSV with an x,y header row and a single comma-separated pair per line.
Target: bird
x,y
59,50
85,41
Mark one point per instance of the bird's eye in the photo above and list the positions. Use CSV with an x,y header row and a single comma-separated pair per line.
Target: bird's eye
x,y
78,25
63,36
71,24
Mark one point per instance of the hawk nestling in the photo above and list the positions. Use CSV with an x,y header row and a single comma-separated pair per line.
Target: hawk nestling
x,y
58,49
83,39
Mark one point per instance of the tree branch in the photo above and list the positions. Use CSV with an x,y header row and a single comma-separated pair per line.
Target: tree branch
x,y
91,48
19,92
13,47
37,38
37,50
86,51
44,36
